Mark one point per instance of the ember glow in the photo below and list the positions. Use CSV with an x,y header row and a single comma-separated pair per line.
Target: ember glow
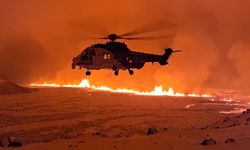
x,y
157,91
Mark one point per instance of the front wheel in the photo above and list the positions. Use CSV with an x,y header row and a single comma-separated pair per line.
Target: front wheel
x,y
116,73
131,72
88,73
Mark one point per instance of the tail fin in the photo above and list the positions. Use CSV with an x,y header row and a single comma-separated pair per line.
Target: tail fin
x,y
166,55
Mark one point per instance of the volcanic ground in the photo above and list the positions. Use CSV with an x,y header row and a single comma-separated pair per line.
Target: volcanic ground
x,y
80,118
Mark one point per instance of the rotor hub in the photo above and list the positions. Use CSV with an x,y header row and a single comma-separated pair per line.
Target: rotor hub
x,y
113,37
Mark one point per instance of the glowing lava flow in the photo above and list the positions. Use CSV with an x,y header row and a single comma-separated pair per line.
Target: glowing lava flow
x,y
158,90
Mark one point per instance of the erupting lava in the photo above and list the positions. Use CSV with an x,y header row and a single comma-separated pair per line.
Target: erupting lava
x,y
158,90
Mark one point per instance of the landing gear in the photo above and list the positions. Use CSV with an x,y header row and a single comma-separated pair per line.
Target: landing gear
x,y
131,72
88,73
116,70
116,73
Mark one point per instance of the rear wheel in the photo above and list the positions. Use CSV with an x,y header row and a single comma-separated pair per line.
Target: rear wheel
x,y
88,73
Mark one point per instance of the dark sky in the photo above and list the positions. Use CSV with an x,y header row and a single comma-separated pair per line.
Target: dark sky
x,y
39,38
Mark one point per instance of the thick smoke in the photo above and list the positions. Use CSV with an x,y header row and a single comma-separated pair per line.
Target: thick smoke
x,y
212,29
45,35
23,58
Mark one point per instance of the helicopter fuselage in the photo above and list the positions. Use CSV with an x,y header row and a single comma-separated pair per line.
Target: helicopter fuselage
x,y
116,56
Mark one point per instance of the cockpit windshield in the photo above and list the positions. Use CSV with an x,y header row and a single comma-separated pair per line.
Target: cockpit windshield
x,y
87,55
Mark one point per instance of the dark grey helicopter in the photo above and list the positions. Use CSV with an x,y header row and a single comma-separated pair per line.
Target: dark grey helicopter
x,y
117,56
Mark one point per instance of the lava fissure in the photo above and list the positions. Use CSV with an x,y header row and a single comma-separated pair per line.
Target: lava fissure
x,y
157,91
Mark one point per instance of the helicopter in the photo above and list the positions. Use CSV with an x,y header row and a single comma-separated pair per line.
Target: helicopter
x,y
117,56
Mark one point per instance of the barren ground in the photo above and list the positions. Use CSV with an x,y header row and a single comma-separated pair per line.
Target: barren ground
x,y
71,118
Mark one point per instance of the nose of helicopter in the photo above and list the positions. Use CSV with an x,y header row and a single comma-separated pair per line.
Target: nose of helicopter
x,y
74,61
73,66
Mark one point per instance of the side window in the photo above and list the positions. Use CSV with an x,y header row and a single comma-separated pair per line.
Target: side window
x,y
109,56
106,56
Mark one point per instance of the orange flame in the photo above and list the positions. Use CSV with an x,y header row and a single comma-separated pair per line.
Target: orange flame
x,y
158,90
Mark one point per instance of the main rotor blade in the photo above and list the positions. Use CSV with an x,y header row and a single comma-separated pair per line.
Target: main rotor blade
x,y
153,26
147,38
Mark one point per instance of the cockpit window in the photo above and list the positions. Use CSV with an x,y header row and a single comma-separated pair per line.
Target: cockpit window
x,y
92,53
89,52
84,57
87,55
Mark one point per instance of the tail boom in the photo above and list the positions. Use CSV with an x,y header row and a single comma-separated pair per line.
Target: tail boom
x,y
164,58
